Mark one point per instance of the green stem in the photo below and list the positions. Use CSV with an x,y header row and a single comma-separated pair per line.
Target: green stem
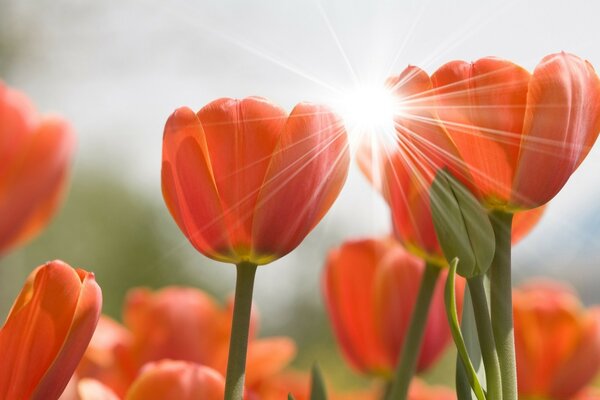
x,y
486,338
238,343
501,303
412,345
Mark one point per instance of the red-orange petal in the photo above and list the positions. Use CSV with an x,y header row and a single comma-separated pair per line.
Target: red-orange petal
x,y
241,136
180,380
349,290
524,222
562,122
189,188
47,331
267,357
33,189
397,283
482,105
307,172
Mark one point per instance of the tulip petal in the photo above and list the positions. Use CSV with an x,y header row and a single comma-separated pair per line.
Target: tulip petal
x,y
482,105
349,291
91,389
189,188
524,222
18,122
266,357
562,122
33,190
47,331
241,136
306,173
177,380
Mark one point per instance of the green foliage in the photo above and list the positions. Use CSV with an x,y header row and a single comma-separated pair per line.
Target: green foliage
x,y
462,225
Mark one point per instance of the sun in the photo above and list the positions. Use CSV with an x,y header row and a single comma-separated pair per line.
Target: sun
x,y
368,112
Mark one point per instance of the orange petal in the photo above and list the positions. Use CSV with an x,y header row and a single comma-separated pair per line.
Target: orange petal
x,y
562,122
47,331
18,119
241,136
32,191
524,222
175,323
177,380
189,188
549,326
266,357
397,283
91,389
482,105
349,291
420,391
307,171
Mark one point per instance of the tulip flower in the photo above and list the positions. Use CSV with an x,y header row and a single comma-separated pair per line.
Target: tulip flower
x,y
420,391
247,182
557,342
370,288
521,135
36,153
46,333
177,380
180,324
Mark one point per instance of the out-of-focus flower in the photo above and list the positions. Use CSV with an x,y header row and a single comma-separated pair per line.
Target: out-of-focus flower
x,y
557,341
521,135
179,380
420,391
36,153
182,324
404,174
370,288
46,333
247,182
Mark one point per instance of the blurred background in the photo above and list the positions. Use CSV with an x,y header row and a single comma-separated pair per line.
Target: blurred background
x,y
116,69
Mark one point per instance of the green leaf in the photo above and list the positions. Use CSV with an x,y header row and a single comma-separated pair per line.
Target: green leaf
x,y
317,385
462,225
452,314
291,397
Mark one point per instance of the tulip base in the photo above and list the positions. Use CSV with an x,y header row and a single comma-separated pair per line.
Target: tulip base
x,y
412,345
238,343
501,303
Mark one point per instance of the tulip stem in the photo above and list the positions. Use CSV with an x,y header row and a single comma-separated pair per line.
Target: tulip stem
x,y
486,338
238,343
412,345
501,303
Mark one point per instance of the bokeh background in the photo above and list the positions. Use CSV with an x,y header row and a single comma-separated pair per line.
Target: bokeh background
x,y
117,69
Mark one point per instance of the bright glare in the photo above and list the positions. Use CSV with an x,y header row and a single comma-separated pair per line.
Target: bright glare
x,y
368,112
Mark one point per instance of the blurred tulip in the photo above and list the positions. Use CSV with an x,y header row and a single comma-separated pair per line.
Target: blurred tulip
x,y
407,172
370,288
521,135
181,324
420,391
557,341
36,153
247,182
177,380
46,333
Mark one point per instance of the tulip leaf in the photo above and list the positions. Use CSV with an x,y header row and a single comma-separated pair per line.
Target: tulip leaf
x,y
462,225
317,385
291,397
452,314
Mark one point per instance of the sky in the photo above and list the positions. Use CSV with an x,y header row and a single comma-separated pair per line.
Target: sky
x,y
118,68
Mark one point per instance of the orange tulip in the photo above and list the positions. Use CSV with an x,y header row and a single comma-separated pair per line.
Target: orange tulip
x,y
46,333
181,324
521,135
420,391
370,289
407,172
177,380
246,182
36,153
557,341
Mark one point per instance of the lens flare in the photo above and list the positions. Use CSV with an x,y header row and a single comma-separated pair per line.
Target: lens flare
x,y
368,112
